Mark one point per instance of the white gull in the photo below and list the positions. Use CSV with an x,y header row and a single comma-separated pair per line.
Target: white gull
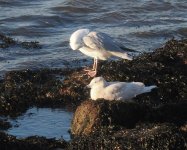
x,y
97,45
101,89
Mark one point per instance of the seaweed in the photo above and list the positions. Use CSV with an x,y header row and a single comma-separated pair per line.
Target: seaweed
x,y
30,143
159,117
6,42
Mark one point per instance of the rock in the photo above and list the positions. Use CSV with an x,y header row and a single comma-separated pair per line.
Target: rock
x,y
164,67
143,136
9,142
174,113
4,124
22,89
92,115
184,128
6,41
156,120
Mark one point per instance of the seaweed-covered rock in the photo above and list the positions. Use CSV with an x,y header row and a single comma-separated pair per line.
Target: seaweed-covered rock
x,y
21,89
9,142
4,124
6,41
173,112
165,67
143,137
92,115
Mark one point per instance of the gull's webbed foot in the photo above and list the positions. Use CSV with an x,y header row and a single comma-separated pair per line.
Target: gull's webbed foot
x,y
92,73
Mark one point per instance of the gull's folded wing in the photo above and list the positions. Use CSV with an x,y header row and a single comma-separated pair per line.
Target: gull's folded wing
x,y
99,41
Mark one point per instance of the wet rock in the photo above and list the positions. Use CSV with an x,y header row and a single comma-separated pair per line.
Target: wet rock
x,y
143,136
6,41
174,113
4,124
22,89
184,128
32,44
9,142
92,115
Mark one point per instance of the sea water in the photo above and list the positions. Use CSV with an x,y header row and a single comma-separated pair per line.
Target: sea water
x,y
141,25
51,123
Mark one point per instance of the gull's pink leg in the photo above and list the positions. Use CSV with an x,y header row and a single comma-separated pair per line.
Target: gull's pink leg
x,y
94,71
94,64
96,61
87,70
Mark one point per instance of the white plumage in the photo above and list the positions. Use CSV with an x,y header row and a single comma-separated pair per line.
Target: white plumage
x,y
116,90
97,45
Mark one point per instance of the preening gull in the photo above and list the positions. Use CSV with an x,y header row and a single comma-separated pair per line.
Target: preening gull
x,y
97,45
116,90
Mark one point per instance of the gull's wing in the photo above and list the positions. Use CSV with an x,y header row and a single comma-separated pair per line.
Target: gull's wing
x,y
124,90
113,90
100,41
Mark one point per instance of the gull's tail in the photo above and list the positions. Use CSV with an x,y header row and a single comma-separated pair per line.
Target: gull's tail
x,y
121,55
148,88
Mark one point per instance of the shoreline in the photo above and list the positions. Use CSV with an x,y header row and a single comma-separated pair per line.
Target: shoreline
x,y
166,67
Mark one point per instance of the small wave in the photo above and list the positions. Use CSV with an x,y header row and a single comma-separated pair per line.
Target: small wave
x,y
182,32
156,5
72,9
111,17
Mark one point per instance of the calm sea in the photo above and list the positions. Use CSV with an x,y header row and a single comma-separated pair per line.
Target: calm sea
x,y
139,24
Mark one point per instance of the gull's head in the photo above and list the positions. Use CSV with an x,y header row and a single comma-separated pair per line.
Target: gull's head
x,y
76,39
96,81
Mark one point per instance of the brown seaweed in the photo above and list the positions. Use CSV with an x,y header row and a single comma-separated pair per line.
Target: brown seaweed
x,y
160,125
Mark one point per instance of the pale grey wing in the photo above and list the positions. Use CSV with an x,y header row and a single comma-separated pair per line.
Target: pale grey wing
x,y
114,91
125,90
98,40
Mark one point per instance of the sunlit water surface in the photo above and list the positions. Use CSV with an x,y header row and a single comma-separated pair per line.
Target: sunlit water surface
x,y
51,123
